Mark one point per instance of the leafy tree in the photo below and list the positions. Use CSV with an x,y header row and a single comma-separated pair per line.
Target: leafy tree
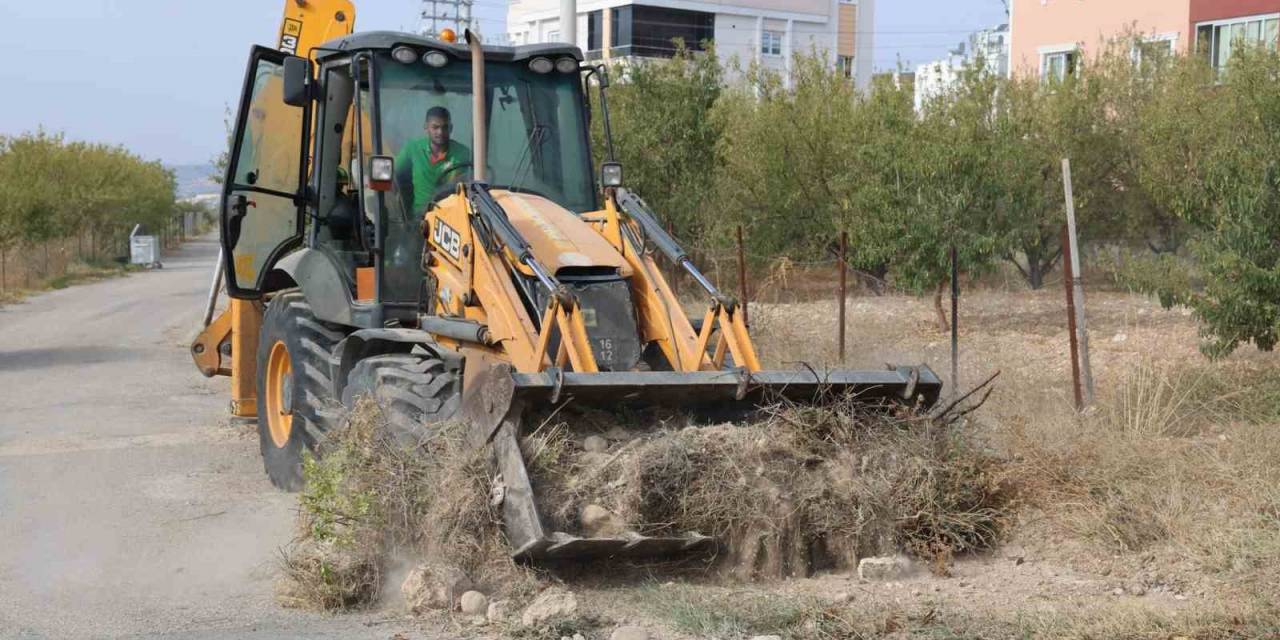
x,y
664,135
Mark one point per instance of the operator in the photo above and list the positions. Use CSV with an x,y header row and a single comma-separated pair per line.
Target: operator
x,y
430,162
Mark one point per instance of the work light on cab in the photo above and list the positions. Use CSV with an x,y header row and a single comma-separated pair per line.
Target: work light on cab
x,y
435,59
404,55
566,65
382,172
541,65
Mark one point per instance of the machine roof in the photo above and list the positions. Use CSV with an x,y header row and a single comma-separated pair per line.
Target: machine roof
x,y
373,40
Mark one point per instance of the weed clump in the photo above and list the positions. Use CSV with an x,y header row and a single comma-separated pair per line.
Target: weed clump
x,y
800,489
372,504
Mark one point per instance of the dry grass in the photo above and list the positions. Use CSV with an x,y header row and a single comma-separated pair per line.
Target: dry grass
x,y
801,489
1176,462
370,502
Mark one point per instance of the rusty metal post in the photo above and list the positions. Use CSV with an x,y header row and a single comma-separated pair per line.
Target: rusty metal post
x,y
1067,279
742,280
1077,283
844,253
955,323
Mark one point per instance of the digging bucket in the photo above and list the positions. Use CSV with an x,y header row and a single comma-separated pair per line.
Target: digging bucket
x,y
496,398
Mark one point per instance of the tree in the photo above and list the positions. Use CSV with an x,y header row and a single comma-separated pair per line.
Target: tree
x,y
664,135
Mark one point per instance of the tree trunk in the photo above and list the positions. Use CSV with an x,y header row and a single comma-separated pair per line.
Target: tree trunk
x,y
4,275
943,325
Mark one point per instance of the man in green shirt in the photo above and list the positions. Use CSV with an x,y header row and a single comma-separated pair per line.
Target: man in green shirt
x,y
430,162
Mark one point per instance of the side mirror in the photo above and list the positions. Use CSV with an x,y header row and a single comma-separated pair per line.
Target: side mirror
x,y
297,81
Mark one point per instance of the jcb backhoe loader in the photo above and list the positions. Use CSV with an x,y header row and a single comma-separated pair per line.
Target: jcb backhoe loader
x,y
520,277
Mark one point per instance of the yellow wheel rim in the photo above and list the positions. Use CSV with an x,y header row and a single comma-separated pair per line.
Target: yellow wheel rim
x,y
279,394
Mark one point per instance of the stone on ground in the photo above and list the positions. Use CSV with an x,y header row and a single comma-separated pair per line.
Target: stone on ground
x,y
474,603
433,587
499,611
629,633
595,444
598,521
552,603
882,568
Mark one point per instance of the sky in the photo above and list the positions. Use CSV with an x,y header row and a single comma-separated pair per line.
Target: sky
x,y
157,75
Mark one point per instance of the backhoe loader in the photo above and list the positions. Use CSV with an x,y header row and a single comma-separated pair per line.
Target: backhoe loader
x,y
523,278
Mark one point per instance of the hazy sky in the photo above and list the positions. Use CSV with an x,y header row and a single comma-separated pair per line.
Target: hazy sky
x,y
156,75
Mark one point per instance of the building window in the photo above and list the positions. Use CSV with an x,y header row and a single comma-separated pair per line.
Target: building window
x,y
771,43
1055,66
553,36
846,67
652,32
595,30
1216,40
1154,50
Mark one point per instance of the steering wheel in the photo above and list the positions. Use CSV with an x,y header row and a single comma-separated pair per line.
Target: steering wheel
x,y
451,186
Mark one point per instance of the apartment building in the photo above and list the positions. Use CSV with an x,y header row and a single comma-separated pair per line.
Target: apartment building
x,y
1050,36
987,47
766,32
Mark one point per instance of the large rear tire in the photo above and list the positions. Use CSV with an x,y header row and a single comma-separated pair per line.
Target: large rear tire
x,y
295,398
414,390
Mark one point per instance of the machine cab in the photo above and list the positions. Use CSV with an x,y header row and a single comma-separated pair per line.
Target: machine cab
x,y
397,97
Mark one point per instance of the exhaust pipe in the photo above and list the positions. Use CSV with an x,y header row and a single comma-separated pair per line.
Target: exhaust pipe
x,y
479,119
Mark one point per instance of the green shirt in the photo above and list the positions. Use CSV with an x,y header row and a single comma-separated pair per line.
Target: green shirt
x,y
429,175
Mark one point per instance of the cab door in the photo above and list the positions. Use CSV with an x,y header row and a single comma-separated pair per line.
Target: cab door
x,y
263,193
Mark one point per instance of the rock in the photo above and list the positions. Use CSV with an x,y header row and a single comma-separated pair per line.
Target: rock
x,y
433,587
598,521
841,597
474,603
882,568
766,637
618,433
1136,588
1117,591
629,633
552,603
1119,338
595,444
499,611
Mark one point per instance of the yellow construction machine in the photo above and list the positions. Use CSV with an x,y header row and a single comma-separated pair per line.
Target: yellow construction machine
x,y
419,220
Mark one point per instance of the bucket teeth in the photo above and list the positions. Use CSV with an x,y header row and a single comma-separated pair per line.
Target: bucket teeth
x,y
630,545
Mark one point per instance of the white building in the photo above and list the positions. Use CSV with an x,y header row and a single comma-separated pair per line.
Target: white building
x,y
766,32
990,46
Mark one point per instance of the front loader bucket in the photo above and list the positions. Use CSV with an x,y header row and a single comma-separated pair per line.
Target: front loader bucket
x,y
495,398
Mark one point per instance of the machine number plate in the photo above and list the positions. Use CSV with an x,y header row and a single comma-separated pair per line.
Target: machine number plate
x,y
289,36
448,239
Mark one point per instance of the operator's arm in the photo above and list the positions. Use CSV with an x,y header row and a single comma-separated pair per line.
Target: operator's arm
x,y
404,175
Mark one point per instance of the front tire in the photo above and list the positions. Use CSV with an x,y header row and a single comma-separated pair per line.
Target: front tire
x,y
295,403
413,390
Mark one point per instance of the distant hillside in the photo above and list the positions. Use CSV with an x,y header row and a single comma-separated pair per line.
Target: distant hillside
x,y
194,179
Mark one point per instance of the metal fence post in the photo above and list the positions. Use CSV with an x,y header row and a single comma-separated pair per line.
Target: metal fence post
x,y
1071,318
742,280
843,300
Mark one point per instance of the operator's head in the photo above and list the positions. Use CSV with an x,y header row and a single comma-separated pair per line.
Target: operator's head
x,y
439,126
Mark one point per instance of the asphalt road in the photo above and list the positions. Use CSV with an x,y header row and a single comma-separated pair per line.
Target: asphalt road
x,y
129,505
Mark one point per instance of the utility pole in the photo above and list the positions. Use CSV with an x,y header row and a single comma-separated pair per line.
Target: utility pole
x,y
437,15
569,21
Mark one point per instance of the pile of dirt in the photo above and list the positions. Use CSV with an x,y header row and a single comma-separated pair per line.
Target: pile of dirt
x,y
798,490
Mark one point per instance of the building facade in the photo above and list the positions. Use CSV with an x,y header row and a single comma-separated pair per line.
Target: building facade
x,y
988,48
764,32
1050,36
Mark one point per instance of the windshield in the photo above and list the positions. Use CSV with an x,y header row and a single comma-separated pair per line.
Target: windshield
x,y
537,136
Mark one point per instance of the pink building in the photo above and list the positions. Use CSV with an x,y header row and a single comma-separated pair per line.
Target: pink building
x,y
1049,36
